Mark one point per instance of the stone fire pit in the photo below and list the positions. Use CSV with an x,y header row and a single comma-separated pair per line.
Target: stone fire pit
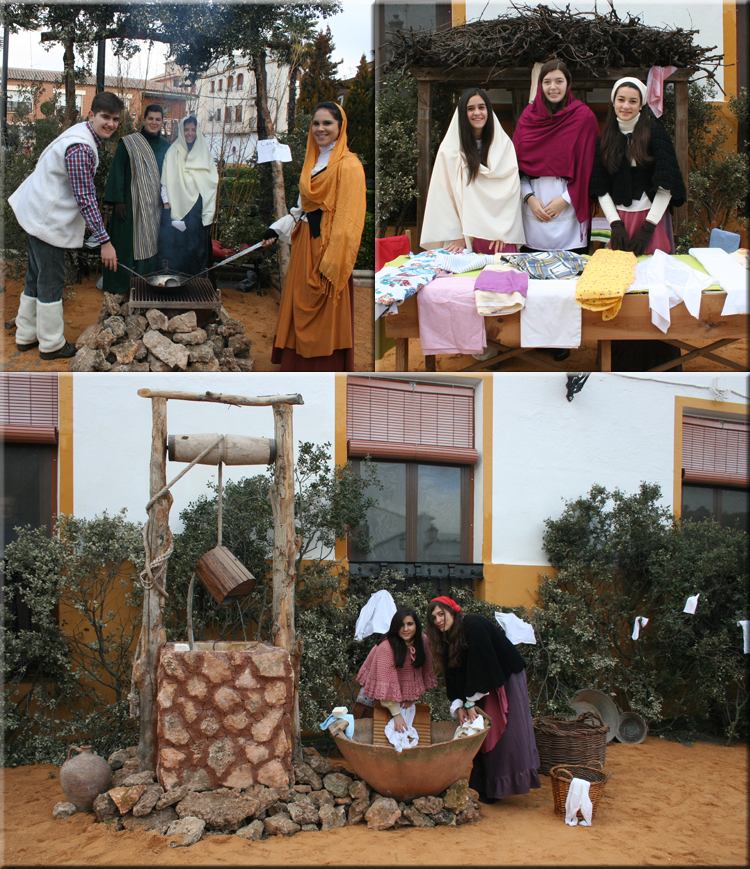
x,y
223,716
120,341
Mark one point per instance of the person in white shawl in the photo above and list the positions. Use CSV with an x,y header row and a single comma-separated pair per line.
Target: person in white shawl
x,y
474,200
189,183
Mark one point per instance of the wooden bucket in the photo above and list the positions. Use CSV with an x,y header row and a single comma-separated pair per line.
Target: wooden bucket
x,y
224,575
233,450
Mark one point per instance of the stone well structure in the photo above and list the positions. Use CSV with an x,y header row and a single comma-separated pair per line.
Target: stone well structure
x,y
224,715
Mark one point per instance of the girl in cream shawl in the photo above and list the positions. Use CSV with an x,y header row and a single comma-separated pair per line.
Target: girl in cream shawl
x,y
315,330
189,182
474,200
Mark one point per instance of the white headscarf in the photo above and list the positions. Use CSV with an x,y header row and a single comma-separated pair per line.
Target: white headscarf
x,y
633,82
489,207
188,174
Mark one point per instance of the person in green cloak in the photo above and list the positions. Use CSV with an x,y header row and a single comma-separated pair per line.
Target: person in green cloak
x,y
134,189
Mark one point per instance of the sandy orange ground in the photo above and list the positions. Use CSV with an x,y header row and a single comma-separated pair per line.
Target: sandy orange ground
x,y
82,304
667,804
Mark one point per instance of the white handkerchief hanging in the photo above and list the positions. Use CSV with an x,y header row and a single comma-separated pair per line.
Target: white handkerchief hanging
x,y
691,603
640,622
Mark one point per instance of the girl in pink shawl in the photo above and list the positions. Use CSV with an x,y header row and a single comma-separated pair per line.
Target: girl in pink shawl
x,y
555,139
398,669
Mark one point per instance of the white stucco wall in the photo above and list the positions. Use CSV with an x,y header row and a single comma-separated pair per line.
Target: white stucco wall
x,y
705,17
112,432
618,431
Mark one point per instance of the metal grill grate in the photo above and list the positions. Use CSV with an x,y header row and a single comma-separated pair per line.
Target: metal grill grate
x,y
195,295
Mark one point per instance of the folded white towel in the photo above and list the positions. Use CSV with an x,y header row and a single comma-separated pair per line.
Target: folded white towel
x,y
578,798
410,737
552,317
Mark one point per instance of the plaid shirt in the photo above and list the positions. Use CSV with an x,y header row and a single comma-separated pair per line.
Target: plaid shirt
x,y
81,166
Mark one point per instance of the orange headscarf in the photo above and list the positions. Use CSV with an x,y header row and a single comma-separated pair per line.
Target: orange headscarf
x,y
343,207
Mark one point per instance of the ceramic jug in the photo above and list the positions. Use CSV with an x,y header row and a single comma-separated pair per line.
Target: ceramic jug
x,y
84,776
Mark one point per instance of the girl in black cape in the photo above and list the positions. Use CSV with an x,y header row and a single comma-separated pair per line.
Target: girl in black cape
x,y
483,668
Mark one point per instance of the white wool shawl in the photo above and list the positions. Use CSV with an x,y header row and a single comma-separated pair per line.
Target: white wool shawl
x,y
489,207
188,174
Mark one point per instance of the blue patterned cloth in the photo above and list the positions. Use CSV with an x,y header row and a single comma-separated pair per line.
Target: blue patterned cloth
x,y
551,265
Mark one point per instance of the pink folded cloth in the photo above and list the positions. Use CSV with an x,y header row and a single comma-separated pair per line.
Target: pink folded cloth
x,y
448,318
655,87
503,282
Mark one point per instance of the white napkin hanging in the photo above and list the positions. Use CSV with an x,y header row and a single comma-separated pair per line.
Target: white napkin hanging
x,y
516,630
578,798
375,616
728,273
745,625
691,603
640,622
409,738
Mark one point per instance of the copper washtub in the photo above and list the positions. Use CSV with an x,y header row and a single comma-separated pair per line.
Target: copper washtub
x,y
422,771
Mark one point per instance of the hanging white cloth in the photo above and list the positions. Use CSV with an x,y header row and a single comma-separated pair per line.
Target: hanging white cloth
x,y
745,625
691,603
375,616
669,282
728,273
516,630
409,738
552,317
578,798
640,622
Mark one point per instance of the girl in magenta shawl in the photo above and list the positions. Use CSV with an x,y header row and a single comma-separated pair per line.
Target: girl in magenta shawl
x,y
555,140
398,669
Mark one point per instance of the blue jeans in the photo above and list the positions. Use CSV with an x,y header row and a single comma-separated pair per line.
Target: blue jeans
x,y
45,272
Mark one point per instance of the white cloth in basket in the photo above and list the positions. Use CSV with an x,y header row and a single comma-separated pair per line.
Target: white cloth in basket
x,y
578,798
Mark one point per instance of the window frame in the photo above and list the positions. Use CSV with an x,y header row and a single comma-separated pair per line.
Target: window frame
x,y
466,497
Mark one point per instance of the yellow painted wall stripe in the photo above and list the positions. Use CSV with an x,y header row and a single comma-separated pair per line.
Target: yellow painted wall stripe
x,y
340,453
66,490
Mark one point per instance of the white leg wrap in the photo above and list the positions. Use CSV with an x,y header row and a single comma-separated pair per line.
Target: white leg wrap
x,y
50,326
26,320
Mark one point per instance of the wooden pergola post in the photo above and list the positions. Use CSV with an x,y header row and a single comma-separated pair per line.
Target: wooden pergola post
x,y
152,629
518,82
159,540
285,547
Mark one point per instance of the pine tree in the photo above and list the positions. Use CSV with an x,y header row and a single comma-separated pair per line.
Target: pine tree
x,y
359,106
318,81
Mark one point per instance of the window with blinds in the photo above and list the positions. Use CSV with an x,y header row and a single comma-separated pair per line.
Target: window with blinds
x,y
715,471
417,421
28,408
714,451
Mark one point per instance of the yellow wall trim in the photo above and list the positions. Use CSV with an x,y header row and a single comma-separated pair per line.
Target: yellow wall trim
x,y
512,584
340,452
66,493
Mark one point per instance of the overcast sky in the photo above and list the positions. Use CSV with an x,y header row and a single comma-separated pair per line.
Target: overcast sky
x,y
351,29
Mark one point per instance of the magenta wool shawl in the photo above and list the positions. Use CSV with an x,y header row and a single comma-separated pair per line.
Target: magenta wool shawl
x,y
559,146
382,680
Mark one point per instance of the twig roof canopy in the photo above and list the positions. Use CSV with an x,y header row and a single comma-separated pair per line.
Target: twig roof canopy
x,y
586,41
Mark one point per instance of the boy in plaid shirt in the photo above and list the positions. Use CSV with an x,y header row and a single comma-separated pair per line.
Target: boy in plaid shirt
x,y
54,205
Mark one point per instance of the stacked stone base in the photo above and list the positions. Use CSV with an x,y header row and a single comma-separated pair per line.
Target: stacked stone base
x,y
120,341
323,797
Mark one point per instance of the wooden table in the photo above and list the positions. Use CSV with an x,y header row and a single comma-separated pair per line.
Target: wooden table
x,y
632,323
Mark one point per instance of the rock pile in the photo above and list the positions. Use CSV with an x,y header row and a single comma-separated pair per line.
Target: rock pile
x,y
120,341
323,797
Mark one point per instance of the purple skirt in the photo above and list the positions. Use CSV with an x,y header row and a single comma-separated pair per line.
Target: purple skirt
x,y
511,767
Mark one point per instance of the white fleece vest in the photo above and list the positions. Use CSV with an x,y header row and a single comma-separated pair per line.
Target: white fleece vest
x,y
44,204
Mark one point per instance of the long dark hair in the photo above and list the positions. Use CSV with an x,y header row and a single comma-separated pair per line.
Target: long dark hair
x,y
398,644
614,145
475,156
551,65
447,646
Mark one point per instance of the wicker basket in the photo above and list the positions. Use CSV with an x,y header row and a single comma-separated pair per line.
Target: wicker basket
x,y
576,741
563,775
